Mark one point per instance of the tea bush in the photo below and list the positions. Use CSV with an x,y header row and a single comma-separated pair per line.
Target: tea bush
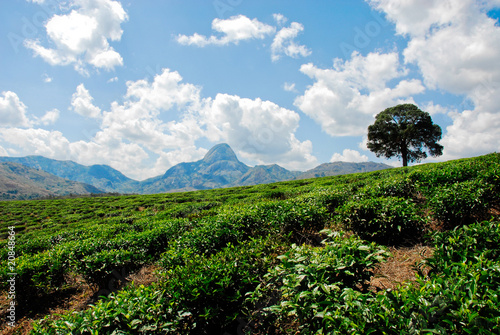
x,y
462,202
214,246
322,288
203,296
385,220
461,293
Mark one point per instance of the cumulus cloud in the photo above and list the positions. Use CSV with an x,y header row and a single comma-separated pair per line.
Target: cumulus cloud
x,y
38,141
345,98
284,43
233,30
81,103
456,46
261,131
12,111
240,28
82,36
49,117
3,152
157,125
280,19
349,155
289,87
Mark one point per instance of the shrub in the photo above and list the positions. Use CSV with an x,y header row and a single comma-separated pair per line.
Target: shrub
x,y
321,288
462,290
36,276
204,296
383,220
394,186
461,203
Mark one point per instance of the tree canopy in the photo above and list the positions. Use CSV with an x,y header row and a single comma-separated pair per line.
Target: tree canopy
x,y
403,131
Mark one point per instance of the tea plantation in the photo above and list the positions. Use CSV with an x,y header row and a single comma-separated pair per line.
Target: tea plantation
x,y
293,257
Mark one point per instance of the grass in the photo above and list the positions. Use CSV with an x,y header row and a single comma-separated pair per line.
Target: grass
x,y
220,261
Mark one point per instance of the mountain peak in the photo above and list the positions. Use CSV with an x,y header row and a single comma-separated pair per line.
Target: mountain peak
x,y
220,152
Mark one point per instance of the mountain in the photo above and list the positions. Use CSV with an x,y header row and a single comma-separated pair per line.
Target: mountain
x,y
265,174
102,177
338,168
19,182
219,168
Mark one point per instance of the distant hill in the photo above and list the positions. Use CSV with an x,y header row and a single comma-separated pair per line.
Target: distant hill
x,y
102,177
339,168
219,168
19,182
265,174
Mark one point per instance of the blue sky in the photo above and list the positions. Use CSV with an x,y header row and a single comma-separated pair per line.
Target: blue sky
x,y
144,85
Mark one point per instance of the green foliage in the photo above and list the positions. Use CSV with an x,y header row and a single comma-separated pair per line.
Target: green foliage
x,y
402,131
142,310
202,296
35,275
212,247
320,287
462,203
461,294
386,220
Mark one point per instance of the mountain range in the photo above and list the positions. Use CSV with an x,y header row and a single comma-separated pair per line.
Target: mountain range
x,y
219,168
19,182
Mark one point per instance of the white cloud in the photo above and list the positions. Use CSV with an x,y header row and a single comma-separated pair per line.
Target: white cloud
x,y
456,46
259,130
290,87
138,118
82,36
46,78
112,80
3,152
12,111
345,98
280,19
235,29
472,133
157,124
349,155
81,103
240,28
284,43
50,117
38,142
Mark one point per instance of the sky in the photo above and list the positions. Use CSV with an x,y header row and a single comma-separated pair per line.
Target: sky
x,y
144,85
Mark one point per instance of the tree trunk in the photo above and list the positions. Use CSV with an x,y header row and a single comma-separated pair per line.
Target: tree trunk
x,y
405,160
404,154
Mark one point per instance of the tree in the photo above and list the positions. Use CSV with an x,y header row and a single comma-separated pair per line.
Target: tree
x,y
402,131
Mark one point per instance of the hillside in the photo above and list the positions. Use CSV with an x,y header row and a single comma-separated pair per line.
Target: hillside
x,y
340,168
304,256
102,177
18,182
219,168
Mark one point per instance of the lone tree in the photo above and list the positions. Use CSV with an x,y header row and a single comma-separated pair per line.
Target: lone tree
x,y
402,131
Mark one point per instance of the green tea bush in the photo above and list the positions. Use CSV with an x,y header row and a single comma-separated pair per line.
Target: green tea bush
x,y
323,289
385,220
465,244
330,197
99,267
400,186
204,296
461,294
36,276
462,202
141,310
